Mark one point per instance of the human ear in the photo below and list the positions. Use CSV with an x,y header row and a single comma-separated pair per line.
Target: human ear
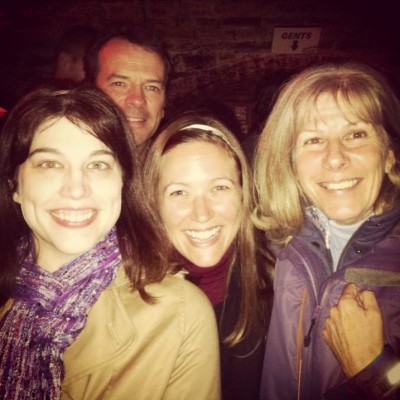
x,y
390,161
14,188
16,197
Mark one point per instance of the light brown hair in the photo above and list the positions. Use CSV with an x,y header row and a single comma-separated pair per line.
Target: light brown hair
x,y
279,209
209,130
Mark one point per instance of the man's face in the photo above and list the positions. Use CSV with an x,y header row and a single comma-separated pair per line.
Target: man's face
x,y
135,79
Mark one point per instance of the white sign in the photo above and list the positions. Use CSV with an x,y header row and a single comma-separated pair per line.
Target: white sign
x,y
292,40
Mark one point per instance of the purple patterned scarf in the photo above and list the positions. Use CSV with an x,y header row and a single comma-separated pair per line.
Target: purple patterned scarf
x,y
48,313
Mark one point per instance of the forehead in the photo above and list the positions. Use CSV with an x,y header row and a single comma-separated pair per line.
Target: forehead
x,y
196,147
60,131
326,107
199,152
117,53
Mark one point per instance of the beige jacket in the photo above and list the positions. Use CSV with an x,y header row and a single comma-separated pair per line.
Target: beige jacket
x,y
131,350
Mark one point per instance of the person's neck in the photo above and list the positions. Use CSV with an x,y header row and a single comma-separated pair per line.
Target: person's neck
x,y
213,279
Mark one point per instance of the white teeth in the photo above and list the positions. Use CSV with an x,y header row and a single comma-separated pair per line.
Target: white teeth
x,y
131,119
75,216
203,235
340,185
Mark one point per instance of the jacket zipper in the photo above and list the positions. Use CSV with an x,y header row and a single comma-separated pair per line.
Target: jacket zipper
x,y
316,314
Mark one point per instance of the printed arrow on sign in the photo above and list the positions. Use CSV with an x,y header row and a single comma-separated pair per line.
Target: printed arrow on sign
x,y
295,45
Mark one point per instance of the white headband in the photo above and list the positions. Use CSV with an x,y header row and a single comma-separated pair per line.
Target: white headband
x,y
211,129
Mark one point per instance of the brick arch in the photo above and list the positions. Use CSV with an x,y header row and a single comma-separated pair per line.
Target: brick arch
x,y
237,85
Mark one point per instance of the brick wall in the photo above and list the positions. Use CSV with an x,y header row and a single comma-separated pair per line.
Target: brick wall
x,y
220,48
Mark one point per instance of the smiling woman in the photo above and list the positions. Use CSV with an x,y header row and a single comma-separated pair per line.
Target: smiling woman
x,y
200,201
69,189
88,306
340,161
198,179
328,176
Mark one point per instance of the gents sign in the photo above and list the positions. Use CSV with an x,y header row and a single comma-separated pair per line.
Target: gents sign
x,y
292,40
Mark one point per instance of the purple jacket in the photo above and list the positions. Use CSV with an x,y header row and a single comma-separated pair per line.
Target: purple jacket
x,y
298,363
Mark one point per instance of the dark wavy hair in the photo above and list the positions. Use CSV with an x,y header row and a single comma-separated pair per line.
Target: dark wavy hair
x,y
87,107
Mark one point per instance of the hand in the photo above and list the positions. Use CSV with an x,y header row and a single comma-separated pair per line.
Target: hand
x,y
354,329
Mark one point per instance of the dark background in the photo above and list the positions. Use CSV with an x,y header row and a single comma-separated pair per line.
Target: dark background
x,y
221,49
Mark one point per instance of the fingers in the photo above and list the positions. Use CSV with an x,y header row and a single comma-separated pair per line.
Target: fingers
x,y
352,301
368,300
350,293
351,290
354,329
327,331
364,298
348,300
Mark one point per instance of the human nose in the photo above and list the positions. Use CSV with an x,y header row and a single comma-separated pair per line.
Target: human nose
x,y
75,185
336,156
201,209
136,96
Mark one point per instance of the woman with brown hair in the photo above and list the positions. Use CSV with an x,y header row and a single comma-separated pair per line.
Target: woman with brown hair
x,y
88,308
198,179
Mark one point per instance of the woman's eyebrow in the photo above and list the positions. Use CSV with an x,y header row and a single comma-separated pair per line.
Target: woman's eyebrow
x,y
44,150
55,151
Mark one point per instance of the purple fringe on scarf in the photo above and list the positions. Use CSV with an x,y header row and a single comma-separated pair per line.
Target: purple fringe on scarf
x,y
48,312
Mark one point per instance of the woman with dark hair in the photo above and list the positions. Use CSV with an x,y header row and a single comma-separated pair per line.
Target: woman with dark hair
x,y
88,308
198,179
328,176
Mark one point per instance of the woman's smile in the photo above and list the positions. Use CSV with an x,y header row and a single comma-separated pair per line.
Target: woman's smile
x,y
74,218
200,201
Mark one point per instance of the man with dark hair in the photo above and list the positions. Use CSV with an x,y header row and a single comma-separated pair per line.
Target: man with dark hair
x,y
132,67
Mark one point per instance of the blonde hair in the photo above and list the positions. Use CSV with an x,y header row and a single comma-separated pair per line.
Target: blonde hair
x,y
279,208
193,128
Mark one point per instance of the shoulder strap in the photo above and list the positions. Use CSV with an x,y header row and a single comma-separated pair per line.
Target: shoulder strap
x,y
300,342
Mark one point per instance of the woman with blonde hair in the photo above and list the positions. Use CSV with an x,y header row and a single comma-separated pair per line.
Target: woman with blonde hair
x,y
198,180
328,177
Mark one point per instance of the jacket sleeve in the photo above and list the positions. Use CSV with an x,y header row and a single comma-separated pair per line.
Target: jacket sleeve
x,y
279,376
379,380
197,370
